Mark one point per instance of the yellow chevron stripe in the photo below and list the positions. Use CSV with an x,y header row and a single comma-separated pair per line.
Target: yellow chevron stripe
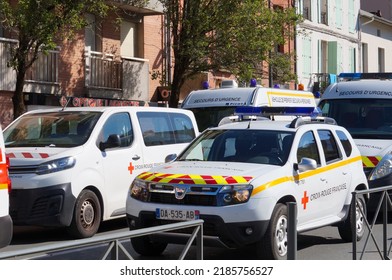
x,y
3,186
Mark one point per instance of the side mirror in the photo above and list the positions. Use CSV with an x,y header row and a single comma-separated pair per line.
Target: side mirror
x,y
305,165
170,157
112,142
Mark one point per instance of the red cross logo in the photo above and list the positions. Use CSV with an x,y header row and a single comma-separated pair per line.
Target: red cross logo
x,y
305,200
131,167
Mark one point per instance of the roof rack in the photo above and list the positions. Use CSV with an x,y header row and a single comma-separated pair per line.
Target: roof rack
x,y
309,120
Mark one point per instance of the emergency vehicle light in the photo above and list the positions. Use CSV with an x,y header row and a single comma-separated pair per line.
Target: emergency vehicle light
x,y
364,76
274,111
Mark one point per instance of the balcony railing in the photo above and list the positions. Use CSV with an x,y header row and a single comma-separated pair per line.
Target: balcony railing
x,y
43,71
102,71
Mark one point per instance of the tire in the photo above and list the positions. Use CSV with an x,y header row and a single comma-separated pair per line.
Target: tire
x,y
273,245
87,215
345,228
145,247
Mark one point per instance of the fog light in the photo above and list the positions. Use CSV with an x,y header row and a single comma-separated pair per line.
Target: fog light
x,y
248,231
133,223
227,198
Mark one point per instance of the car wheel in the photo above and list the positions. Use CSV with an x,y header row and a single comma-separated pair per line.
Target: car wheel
x,y
345,228
145,247
273,245
87,215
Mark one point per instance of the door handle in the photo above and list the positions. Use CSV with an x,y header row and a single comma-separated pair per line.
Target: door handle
x,y
136,157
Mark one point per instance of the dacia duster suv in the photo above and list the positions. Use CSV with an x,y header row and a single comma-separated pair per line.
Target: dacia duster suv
x,y
239,177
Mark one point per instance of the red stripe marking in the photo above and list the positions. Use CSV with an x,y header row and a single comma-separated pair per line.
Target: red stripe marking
x,y
11,155
27,155
373,160
44,155
230,180
209,179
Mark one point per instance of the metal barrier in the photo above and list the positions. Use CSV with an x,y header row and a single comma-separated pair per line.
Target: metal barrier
x,y
383,202
115,245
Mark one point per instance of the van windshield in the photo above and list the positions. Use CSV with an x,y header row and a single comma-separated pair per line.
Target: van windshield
x,y
211,116
51,129
363,118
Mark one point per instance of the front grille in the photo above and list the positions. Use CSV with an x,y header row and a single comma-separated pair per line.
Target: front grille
x,y
25,169
189,199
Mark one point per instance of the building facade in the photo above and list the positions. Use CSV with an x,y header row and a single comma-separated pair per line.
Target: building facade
x,y
327,41
107,63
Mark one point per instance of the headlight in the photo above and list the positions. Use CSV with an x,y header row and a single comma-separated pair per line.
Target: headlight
x,y
139,190
234,194
55,165
383,168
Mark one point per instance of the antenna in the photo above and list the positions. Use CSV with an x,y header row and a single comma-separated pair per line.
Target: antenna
x,y
66,104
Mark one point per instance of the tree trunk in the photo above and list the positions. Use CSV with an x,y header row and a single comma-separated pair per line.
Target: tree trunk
x,y
17,99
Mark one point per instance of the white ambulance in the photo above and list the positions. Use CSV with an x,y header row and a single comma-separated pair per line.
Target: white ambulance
x,y
362,103
6,226
211,105
239,177
72,167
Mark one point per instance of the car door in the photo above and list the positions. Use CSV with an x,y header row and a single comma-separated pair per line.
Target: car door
x,y
337,174
119,162
308,183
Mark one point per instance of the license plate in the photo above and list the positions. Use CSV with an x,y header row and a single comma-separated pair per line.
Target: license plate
x,y
180,215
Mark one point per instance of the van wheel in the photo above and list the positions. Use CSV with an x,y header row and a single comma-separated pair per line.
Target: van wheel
x,y
273,245
145,247
345,228
87,215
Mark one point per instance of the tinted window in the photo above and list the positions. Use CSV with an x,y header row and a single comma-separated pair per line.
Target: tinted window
x,y
345,142
120,124
308,147
159,128
329,145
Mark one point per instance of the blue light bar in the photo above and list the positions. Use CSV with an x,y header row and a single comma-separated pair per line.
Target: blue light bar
x,y
364,76
276,111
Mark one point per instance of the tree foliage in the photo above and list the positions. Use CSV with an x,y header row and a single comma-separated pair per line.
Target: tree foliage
x,y
39,25
231,35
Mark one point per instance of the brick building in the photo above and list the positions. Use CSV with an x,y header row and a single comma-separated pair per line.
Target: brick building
x,y
107,63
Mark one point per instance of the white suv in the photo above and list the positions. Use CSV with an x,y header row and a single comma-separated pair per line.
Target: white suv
x,y
239,176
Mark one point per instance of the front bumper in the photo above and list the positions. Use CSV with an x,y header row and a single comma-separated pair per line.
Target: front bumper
x,y
46,206
375,197
232,235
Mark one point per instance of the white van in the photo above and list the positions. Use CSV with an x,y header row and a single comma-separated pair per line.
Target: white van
x,y
72,167
6,226
363,104
211,105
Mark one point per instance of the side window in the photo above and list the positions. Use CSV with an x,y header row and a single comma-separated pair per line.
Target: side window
x,y
331,150
119,123
308,147
165,128
345,142
184,131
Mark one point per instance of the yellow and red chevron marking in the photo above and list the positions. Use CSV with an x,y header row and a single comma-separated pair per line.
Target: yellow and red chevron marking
x,y
27,155
370,161
194,179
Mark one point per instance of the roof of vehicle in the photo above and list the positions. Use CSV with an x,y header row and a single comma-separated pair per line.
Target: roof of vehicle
x,y
246,96
277,125
359,89
106,109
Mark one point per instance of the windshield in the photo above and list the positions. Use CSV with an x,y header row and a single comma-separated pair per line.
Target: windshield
x,y
250,146
363,118
54,129
211,116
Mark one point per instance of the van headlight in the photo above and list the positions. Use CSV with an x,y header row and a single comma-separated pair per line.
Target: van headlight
x,y
383,168
234,194
55,165
139,190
